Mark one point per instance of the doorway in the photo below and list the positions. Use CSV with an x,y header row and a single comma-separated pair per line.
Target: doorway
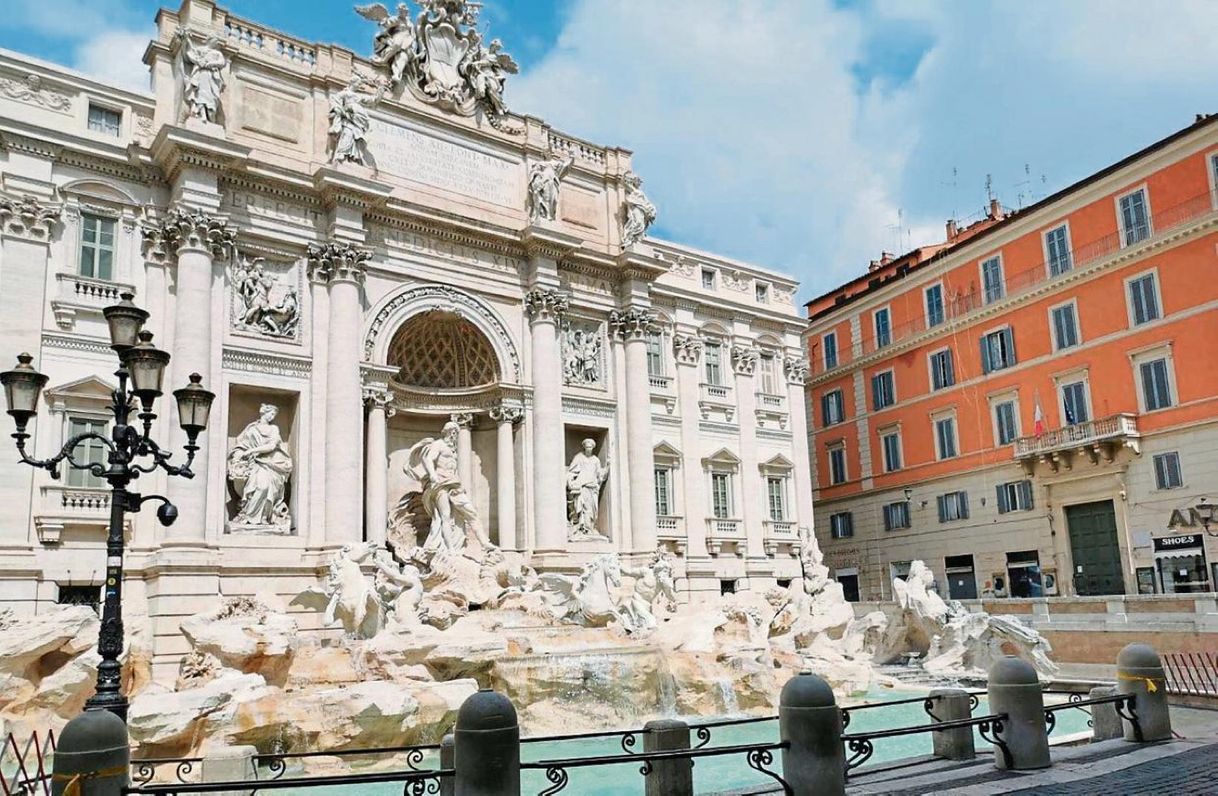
x,y
1094,548
849,579
961,578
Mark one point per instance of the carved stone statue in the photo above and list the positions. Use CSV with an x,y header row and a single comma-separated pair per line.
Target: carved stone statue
x,y
952,639
260,465
439,57
588,598
454,520
638,213
204,77
581,356
652,582
348,597
585,477
253,287
544,179
400,590
350,119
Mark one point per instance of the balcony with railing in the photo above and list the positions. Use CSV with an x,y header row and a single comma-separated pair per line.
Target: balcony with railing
x,y
716,396
961,305
1097,441
723,530
76,294
62,506
670,530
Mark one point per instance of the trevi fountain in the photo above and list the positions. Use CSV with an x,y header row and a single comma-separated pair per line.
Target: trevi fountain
x,y
479,427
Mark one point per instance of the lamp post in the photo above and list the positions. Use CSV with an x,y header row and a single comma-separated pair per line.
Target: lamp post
x,y
143,365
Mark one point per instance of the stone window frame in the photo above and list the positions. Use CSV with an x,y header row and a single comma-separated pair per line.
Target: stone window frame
x,y
1161,350
893,430
1002,278
666,456
722,463
1122,232
1153,274
935,419
781,468
1078,325
1044,242
1066,378
831,448
997,399
107,108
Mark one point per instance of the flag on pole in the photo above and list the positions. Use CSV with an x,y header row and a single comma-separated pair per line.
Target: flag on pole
x,y
1038,418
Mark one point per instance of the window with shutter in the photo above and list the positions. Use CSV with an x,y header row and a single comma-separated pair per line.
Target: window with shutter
x,y
1143,299
1135,218
1167,471
883,328
991,274
1057,248
1156,388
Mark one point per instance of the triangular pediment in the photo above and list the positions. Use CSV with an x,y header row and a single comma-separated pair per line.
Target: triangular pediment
x,y
665,450
90,388
777,462
722,456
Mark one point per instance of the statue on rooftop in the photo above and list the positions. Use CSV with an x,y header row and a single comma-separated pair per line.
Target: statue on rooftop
x,y
638,213
204,77
544,178
350,119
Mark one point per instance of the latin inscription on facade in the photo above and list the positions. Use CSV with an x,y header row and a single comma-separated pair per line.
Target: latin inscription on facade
x,y
402,240
268,207
424,158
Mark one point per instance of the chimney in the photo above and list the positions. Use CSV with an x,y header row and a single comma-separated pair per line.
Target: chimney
x,y
995,209
886,258
952,230
874,265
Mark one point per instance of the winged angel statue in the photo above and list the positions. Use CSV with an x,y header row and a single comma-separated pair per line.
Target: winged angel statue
x,y
440,58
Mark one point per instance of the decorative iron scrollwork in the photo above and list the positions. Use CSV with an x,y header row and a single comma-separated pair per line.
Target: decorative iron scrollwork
x,y
558,778
704,735
991,731
759,759
861,750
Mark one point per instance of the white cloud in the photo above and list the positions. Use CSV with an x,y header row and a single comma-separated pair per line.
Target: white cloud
x,y
756,139
115,56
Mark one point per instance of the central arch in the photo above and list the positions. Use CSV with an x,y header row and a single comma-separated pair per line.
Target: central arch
x,y
442,350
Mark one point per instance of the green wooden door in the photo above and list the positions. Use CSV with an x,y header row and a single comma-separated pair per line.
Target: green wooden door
x,y
1094,548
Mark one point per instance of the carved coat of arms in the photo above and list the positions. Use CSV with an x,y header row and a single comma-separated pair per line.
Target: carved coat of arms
x,y
440,58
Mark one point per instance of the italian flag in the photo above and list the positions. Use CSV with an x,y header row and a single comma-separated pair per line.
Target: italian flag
x,y
1038,418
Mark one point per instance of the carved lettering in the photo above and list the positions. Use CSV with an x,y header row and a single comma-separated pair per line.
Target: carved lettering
x,y
415,243
427,159
260,205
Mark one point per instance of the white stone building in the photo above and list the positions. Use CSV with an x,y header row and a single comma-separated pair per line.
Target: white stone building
x,y
374,257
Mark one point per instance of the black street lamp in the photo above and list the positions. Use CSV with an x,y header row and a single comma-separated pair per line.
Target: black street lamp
x,y
144,365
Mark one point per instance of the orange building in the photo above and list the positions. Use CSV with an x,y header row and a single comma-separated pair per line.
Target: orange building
x,y
1031,407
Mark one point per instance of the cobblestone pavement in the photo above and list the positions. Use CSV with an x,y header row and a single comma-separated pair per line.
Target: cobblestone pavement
x,y
1193,773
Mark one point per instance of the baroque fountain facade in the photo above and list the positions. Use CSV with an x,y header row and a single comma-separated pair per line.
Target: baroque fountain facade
x,y
476,425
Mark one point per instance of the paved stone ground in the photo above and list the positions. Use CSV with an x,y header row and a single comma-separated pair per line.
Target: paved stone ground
x,y
1194,773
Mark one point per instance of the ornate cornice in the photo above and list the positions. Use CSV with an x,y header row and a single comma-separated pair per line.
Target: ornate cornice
x,y
507,413
338,261
262,362
546,306
28,218
687,348
633,323
744,359
796,369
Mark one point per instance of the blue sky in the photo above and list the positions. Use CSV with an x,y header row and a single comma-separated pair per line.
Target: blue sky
x,y
805,135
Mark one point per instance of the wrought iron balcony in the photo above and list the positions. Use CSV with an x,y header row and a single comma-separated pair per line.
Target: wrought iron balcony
x,y
1095,441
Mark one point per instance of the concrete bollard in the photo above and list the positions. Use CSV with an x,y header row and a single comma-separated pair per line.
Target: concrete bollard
x,y
92,757
1140,673
447,755
1014,689
486,747
952,704
810,721
1105,723
668,777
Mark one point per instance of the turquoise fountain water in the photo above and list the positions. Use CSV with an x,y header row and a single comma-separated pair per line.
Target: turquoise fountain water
x,y
717,774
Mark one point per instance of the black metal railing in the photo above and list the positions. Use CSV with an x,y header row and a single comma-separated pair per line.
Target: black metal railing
x,y
629,738
1191,673
860,746
414,783
276,762
1124,704
928,705
703,731
144,771
758,757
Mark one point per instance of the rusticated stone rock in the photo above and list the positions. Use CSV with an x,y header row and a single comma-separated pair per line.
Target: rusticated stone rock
x,y
246,635
175,722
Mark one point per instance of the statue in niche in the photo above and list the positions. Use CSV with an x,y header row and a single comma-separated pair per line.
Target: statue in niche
x,y
253,286
259,465
652,582
581,356
544,178
204,77
445,500
638,213
350,119
585,478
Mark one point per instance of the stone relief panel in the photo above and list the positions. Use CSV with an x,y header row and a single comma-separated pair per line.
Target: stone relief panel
x,y
31,91
583,353
264,298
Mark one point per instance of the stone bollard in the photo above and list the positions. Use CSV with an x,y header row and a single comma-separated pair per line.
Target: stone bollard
x,y
952,704
447,755
668,777
1014,689
1105,723
1140,673
229,764
810,721
92,757
486,747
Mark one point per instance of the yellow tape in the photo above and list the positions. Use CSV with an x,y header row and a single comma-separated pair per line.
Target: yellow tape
x,y
75,780
1150,681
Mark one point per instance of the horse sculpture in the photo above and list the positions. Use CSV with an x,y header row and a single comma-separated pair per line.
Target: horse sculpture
x,y
587,599
347,596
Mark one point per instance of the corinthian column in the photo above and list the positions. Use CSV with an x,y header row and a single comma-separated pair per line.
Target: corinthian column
x,y
633,325
465,449
544,308
796,369
506,416
376,489
752,492
197,240
687,351
345,264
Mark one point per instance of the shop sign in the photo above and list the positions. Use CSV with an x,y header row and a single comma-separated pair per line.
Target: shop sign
x,y
1178,542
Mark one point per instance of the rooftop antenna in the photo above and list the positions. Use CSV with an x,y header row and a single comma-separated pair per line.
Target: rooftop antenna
x,y
1022,187
989,187
955,195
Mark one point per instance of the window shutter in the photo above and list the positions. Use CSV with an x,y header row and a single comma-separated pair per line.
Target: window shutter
x,y
824,410
942,508
986,365
875,392
1173,469
1025,489
963,505
1003,505
1161,471
1008,334
949,367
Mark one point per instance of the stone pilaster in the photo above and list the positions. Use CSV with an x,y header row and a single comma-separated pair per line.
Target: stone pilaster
x,y
344,265
465,449
506,416
796,371
27,227
752,495
633,325
545,309
687,351
197,240
319,294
